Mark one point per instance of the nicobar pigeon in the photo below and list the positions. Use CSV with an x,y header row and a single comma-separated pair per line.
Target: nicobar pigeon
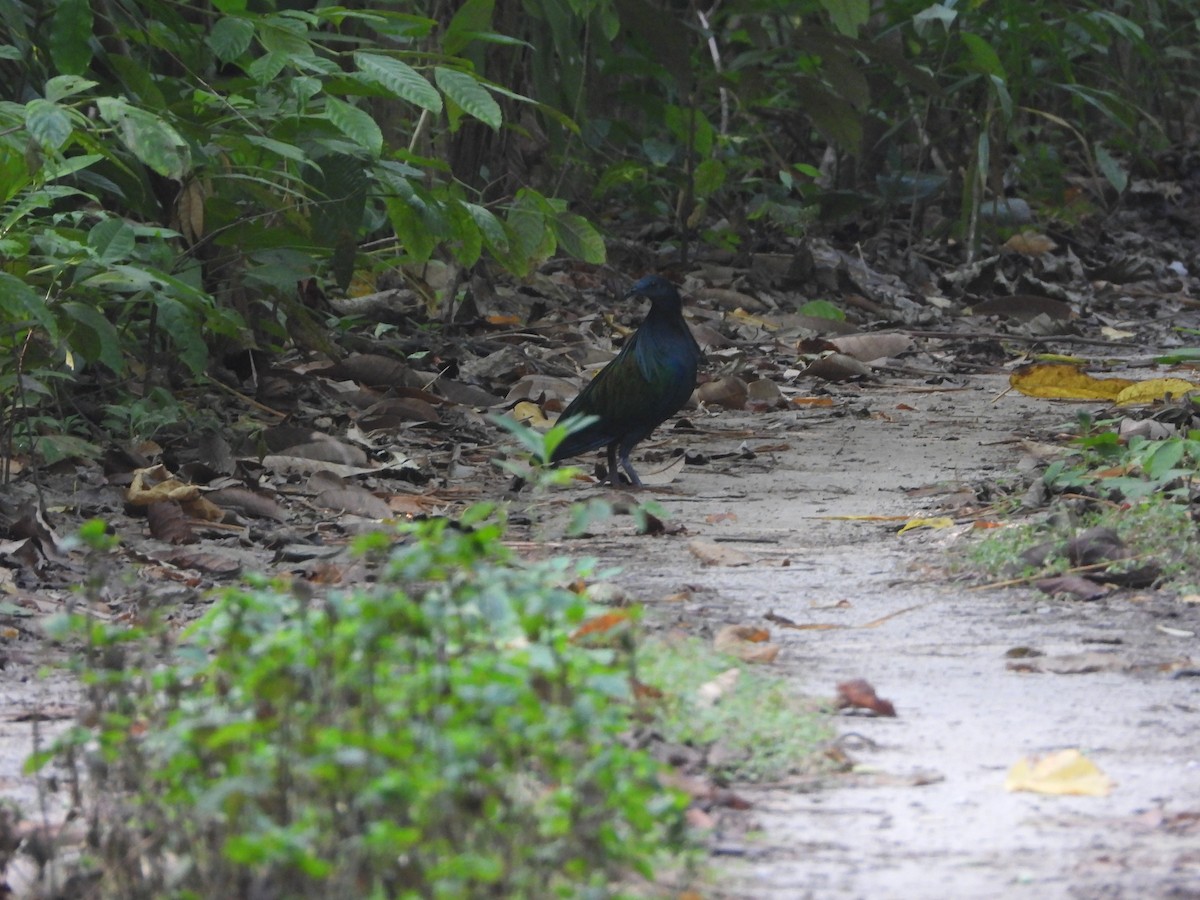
x,y
648,382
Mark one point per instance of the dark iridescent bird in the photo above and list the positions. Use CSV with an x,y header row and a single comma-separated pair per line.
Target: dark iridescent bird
x,y
648,382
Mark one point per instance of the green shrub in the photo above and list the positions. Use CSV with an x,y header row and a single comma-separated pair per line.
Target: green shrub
x,y
436,734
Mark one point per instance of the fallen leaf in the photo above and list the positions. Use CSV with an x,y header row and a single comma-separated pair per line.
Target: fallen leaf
x,y
167,523
868,348
714,518
711,553
729,392
937,522
747,642
1030,243
859,694
713,690
1060,773
1076,585
837,367
601,625
812,401
1058,381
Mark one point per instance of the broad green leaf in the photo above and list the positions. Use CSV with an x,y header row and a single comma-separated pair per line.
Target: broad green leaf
x,y
8,51
400,78
62,86
111,240
490,227
983,57
267,67
577,237
19,304
1006,104
284,35
1163,458
833,115
531,241
279,148
416,239
230,7
61,168
709,177
230,37
151,140
92,336
1111,168
658,151
473,16
822,309
848,15
465,240
179,322
470,95
48,123
355,124
70,36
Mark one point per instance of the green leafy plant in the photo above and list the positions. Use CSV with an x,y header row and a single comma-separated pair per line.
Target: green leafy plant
x,y
760,730
437,735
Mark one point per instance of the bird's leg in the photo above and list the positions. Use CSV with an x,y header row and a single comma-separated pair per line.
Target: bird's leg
x,y
628,467
614,474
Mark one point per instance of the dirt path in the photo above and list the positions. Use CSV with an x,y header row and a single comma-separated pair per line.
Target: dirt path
x,y
927,817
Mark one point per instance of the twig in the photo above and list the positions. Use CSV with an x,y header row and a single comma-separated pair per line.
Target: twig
x,y
1072,571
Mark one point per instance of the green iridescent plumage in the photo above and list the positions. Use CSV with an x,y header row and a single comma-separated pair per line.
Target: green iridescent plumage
x,y
648,382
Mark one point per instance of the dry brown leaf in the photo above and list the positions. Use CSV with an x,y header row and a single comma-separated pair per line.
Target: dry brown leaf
x,y
1030,243
747,642
248,503
209,563
664,474
709,693
711,553
812,401
725,298
155,484
837,367
729,392
353,499
396,411
167,523
765,391
1023,308
602,625
375,370
870,347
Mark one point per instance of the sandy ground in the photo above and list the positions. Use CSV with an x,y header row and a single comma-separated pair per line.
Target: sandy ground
x,y
927,815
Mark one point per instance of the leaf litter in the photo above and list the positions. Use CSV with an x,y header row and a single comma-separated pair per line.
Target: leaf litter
x,y
294,460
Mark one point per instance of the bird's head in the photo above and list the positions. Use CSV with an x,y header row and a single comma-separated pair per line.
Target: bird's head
x,y
657,290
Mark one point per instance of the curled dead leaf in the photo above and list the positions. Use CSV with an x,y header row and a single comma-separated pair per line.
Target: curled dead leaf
x,y
747,642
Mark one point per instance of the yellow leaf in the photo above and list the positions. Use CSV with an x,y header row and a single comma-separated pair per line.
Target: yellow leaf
x,y
1030,243
1062,382
1155,389
531,414
745,318
938,522
1061,772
